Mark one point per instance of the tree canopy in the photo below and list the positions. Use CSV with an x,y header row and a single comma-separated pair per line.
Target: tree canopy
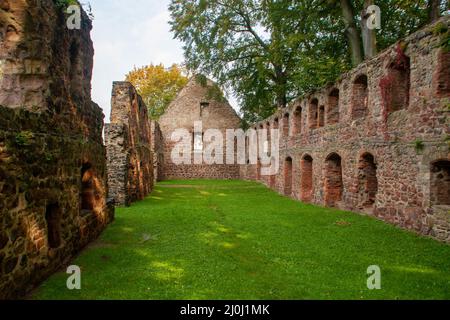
x,y
272,51
157,85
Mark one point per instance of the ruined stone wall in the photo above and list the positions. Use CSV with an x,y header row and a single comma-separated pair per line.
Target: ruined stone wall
x,y
157,151
52,159
128,143
377,141
196,103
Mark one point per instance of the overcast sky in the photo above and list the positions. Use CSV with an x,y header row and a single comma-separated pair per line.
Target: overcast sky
x,y
128,34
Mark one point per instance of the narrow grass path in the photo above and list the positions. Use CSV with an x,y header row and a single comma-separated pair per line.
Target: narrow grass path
x,y
239,240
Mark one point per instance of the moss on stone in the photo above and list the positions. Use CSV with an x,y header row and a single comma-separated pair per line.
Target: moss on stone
x,y
24,138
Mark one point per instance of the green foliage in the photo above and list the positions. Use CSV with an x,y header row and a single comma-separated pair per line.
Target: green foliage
x,y
65,3
447,106
445,41
440,28
24,138
193,240
442,31
214,92
201,80
49,157
270,52
261,50
419,145
447,141
157,85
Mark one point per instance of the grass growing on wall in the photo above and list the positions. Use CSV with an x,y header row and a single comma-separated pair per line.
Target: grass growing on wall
x,y
239,240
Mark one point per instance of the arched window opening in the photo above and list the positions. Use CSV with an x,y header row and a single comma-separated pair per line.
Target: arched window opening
x,y
298,120
333,107
288,176
367,181
321,116
306,185
313,114
333,180
360,97
286,125
89,196
443,74
395,86
276,123
440,182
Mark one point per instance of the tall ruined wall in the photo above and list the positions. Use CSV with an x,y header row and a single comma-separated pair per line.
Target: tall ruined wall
x,y
377,141
158,151
52,160
196,103
128,143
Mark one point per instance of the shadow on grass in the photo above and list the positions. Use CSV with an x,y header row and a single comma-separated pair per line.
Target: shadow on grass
x,y
194,243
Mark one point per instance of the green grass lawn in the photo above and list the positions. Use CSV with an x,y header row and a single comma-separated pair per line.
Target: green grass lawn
x,y
240,240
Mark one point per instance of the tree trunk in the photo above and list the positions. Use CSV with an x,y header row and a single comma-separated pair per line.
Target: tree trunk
x,y
434,10
351,31
280,87
369,36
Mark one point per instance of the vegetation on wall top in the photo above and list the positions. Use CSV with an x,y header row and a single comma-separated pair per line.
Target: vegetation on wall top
x,y
157,85
271,52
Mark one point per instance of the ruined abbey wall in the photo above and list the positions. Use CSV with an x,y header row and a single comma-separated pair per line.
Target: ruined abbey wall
x,y
377,141
52,160
196,102
157,151
128,143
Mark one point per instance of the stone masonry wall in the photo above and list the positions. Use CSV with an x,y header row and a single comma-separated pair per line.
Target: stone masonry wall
x,y
158,151
52,160
377,141
128,143
195,103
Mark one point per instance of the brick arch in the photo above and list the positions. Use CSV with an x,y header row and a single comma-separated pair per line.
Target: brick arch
x,y
288,176
442,74
90,193
440,182
313,113
286,124
333,184
360,94
332,116
297,120
276,123
367,181
307,178
321,117
395,86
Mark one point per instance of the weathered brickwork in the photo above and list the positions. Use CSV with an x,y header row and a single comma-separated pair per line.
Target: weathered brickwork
x,y
128,144
52,159
157,151
196,103
376,141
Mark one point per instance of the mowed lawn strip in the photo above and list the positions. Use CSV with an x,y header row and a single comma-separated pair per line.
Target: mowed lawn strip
x,y
209,239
